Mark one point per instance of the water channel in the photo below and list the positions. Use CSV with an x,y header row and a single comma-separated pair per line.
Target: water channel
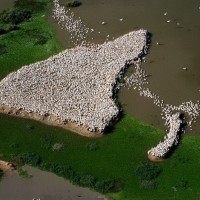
x,y
44,186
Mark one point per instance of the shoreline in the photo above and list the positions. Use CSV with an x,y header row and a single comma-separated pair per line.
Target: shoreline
x,y
49,120
155,158
7,166
55,187
83,97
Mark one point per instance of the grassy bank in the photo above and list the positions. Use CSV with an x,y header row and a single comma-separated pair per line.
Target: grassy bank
x,y
103,163
27,42
114,157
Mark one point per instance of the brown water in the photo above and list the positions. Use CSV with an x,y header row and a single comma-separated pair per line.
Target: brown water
x,y
4,4
179,48
43,185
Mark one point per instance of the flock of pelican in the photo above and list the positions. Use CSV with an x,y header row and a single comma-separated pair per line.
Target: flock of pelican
x,y
78,85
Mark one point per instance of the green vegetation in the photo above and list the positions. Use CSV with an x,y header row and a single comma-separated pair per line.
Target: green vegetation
x,y
29,158
15,16
3,49
115,164
73,4
34,5
58,147
148,184
24,29
23,173
92,146
83,180
182,184
148,171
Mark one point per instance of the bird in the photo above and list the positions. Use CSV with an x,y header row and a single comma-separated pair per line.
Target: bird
x,y
185,68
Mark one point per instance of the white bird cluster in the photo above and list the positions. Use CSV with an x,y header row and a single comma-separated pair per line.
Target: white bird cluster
x,y
192,109
77,85
65,18
138,78
146,92
163,148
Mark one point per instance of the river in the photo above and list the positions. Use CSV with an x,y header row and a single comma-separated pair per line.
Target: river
x,y
179,48
44,186
4,4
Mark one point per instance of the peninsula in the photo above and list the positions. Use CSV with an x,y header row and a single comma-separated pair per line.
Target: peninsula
x,y
76,88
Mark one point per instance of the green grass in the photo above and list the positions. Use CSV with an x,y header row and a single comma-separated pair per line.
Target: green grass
x,y
23,173
117,156
114,156
21,45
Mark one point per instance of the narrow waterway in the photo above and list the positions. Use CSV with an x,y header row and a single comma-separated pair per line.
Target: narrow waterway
x,y
4,4
44,186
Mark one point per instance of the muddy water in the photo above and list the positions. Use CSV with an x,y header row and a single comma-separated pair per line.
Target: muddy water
x,y
179,47
4,4
43,186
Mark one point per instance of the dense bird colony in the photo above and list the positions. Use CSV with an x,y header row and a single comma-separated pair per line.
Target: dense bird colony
x,y
77,85
79,31
190,108
137,81
171,120
66,19
170,140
